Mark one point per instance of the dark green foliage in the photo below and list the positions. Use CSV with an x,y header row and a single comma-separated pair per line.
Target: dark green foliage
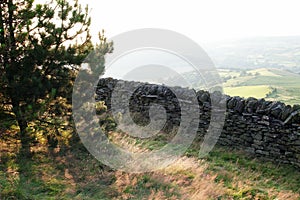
x,y
41,49
107,123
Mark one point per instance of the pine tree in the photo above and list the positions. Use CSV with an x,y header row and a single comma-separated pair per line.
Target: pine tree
x,y
42,47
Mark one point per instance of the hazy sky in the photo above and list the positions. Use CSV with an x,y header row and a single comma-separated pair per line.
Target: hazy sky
x,y
201,20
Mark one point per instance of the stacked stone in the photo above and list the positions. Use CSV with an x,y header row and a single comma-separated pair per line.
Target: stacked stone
x,y
264,128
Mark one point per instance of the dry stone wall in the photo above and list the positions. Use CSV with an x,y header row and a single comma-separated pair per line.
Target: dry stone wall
x,y
263,128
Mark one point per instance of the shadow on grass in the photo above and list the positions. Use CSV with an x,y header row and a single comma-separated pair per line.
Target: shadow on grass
x,y
48,176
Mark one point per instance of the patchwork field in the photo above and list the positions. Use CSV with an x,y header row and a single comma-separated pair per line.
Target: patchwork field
x,y
272,84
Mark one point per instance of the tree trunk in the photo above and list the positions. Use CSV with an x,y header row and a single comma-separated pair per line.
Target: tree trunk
x,y
11,66
25,137
24,134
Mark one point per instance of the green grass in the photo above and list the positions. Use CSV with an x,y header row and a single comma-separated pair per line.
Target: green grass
x,y
281,177
286,82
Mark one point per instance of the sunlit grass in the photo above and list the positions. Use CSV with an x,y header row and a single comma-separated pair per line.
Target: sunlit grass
x,y
257,91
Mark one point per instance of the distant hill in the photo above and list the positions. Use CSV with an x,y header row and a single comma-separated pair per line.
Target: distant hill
x,y
258,52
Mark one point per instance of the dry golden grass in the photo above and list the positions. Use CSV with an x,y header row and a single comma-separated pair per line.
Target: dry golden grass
x,y
195,182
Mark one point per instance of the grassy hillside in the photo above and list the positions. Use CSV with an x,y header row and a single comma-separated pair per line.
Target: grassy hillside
x,y
70,172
